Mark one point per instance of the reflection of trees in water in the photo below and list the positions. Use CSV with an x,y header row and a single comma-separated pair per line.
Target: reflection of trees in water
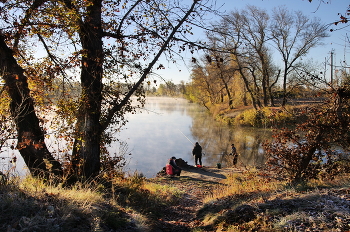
x,y
249,146
216,140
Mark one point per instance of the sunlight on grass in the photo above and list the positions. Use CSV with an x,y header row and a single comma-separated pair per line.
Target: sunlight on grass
x,y
339,181
243,183
138,185
163,191
247,201
78,194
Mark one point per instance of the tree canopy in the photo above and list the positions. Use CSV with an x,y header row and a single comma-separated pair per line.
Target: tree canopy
x,y
261,49
110,47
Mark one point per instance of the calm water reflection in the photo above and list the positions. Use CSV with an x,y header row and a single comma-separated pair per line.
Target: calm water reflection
x,y
169,127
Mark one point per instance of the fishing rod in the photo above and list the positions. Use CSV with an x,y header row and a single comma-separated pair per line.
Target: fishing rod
x,y
189,139
186,137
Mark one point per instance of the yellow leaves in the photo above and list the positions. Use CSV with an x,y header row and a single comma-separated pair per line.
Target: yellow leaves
x,y
48,164
124,5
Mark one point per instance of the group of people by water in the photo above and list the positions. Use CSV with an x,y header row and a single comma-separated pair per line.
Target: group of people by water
x,y
173,169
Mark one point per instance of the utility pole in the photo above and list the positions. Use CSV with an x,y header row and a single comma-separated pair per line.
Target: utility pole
x,y
332,68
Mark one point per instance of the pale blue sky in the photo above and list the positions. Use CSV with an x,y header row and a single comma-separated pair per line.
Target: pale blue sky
x,y
328,13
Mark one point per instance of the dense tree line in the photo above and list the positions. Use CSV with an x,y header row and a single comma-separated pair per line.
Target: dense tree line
x,y
240,68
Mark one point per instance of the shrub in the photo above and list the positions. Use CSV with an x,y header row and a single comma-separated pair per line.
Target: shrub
x,y
305,152
265,117
249,118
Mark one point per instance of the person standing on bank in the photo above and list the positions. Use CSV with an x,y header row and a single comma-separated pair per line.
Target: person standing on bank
x,y
197,153
235,155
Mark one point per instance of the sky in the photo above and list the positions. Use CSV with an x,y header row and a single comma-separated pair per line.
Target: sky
x,y
327,12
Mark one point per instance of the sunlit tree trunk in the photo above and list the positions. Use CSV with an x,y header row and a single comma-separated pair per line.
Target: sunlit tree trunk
x,y
226,87
30,135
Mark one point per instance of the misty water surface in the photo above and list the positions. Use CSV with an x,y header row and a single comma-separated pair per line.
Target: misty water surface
x,y
169,126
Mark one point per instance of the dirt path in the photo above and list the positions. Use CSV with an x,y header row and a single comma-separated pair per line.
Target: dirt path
x,y
196,183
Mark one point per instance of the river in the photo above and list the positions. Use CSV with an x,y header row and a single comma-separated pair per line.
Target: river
x,y
168,127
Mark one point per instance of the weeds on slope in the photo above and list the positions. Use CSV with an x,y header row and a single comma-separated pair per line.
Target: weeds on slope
x,y
118,204
253,201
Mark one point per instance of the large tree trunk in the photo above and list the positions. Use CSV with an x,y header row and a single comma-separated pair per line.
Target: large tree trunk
x,y
86,151
89,129
30,135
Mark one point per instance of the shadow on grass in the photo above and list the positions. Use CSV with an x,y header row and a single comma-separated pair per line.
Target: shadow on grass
x,y
202,172
21,211
156,209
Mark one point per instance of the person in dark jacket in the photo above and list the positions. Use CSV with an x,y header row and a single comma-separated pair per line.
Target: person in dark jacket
x,y
176,169
235,155
197,153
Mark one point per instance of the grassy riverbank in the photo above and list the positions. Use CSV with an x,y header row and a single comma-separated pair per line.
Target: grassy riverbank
x,y
208,199
276,116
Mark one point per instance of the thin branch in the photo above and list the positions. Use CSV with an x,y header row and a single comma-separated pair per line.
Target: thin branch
x,y
147,70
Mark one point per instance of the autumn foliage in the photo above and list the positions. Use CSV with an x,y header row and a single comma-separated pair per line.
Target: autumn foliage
x,y
316,147
110,48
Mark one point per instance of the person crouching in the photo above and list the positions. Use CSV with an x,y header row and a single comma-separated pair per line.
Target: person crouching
x,y
172,168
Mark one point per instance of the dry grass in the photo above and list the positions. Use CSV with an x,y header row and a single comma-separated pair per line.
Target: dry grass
x,y
251,182
79,194
249,201
165,193
30,204
254,202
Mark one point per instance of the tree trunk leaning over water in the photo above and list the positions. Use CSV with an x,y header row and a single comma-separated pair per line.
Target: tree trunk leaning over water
x,y
30,135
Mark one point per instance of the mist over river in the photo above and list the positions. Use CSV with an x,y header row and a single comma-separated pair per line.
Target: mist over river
x,y
168,127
